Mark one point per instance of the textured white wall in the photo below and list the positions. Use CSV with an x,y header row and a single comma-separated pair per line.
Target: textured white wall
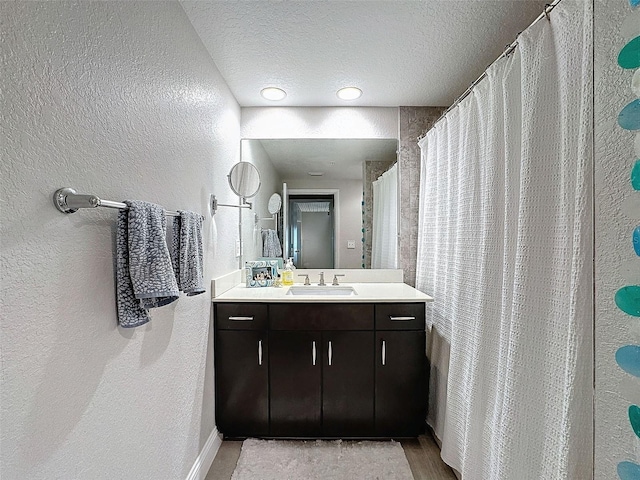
x,y
121,100
350,222
617,213
319,122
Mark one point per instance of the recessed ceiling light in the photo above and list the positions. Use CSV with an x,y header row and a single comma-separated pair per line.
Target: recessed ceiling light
x,y
273,93
349,93
316,174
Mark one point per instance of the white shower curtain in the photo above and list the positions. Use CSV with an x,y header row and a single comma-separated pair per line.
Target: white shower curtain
x,y
384,244
505,248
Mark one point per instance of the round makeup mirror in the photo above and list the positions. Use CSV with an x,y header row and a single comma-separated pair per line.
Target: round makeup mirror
x,y
275,202
244,179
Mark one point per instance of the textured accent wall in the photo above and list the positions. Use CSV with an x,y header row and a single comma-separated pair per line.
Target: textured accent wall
x,y
371,171
617,443
121,100
414,121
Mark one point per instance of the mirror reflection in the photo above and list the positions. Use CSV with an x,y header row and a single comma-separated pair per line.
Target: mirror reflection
x,y
304,172
244,179
275,202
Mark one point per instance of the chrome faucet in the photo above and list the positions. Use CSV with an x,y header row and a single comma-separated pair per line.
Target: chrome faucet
x,y
306,279
335,278
322,284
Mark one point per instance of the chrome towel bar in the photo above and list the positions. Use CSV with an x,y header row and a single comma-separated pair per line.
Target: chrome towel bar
x,y
67,200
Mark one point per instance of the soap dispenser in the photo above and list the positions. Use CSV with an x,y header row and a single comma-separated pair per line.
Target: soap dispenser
x,y
287,274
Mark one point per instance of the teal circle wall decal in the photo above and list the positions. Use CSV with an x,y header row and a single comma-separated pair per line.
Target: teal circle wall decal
x,y
629,117
635,174
634,419
628,300
634,3
636,240
628,358
629,56
628,471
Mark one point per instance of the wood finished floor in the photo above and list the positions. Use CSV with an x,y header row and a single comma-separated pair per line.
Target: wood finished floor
x,y
422,453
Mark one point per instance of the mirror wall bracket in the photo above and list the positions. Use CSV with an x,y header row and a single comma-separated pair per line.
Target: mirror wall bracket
x,y
214,204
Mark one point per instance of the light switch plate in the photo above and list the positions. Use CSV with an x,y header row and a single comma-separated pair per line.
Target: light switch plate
x,y
351,244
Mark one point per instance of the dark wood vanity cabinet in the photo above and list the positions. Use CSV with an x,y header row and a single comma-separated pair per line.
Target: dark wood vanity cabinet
x,y
296,388
401,377
242,369
347,384
322,384
401,389
334,370
321,370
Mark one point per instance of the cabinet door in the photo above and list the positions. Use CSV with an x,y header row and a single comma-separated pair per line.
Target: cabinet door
x,y
295,367
347,384
400,398
242,382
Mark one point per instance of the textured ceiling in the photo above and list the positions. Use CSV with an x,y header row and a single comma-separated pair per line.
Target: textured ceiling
x,y
399,52
338,159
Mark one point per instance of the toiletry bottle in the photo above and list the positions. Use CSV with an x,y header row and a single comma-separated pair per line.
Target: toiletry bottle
x,y
287,274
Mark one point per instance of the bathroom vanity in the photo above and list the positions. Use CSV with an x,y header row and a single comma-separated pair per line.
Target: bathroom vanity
x,y
321,366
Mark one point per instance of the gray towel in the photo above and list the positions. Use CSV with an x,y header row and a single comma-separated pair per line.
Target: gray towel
x,y
271,244
144,274
130,312
186,252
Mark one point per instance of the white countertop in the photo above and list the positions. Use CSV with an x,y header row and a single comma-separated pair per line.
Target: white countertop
x,y
366,293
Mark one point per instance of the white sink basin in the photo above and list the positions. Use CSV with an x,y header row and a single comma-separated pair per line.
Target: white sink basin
x,y
328,291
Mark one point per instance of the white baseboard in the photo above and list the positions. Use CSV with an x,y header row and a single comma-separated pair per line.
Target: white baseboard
x,y
204,460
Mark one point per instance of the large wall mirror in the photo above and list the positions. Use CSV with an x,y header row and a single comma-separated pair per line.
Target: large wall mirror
x,y
326,186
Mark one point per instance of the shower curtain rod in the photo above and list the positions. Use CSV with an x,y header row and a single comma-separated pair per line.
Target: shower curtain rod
x,y
510,48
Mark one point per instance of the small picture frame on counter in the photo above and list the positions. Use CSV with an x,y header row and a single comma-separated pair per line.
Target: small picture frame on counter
x,y
261,273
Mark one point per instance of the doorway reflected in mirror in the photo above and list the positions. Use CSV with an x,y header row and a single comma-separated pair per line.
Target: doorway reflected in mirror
x,y
312,230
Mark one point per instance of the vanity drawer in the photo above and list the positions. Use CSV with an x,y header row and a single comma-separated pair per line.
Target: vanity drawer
x,y
314,316
400,316
241,316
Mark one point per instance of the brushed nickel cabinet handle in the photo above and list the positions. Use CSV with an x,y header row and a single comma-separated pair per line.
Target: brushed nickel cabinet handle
x,y
384,352
313,353
259,352
400,319
330,353
241,319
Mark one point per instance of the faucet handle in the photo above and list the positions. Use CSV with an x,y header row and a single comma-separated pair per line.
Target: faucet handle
x,y
306,280
335,278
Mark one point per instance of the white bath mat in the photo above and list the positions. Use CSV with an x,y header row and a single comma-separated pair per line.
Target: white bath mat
x,y
321,460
